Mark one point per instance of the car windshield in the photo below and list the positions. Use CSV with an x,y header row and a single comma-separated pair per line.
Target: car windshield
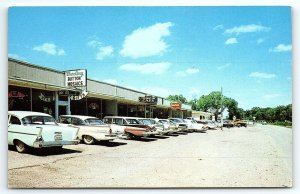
x,y
147,122
176,120
163,121
39,120
94,121
132,121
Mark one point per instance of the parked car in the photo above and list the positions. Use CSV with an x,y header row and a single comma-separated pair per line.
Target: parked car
x,y
152,123
228,123
218,123
130,126
37,130
203,122
240,123
194,126
211,125
91,129
168,125
180,124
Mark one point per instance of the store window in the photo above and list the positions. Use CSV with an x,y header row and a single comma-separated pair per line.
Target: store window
x,y
43,101
78,107
19,98
122,109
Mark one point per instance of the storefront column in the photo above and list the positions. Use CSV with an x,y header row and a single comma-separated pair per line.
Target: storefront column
x,y
170,113
181,114
69,106
56,105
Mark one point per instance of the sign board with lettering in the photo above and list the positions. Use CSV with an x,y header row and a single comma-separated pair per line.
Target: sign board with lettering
x,y
148,99
175,105
76,78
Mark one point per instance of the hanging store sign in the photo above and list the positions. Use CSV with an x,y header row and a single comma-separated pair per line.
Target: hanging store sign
x,y
68,93
80,96
148,99
175,105
76,78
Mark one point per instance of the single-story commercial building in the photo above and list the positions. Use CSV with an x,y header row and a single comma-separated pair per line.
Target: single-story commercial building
x,y
36,88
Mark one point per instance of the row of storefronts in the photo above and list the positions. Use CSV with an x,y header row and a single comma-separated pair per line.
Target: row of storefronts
x,y
36,88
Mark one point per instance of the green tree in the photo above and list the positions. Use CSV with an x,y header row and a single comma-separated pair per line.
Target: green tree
x,y
177,98
215,103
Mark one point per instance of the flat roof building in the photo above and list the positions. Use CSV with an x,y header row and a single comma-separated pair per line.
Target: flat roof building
x,y
36,88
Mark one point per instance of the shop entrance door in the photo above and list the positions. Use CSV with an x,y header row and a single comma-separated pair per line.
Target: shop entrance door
x,y
62,110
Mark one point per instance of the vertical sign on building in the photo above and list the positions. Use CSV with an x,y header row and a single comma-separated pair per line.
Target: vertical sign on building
x,y
76,78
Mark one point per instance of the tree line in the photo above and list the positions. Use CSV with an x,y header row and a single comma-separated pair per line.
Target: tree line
x,y
216,103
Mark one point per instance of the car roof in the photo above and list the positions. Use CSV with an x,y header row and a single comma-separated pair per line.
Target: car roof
x,y
23,114
122,117
83,117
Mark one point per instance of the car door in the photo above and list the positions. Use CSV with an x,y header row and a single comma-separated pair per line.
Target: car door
x,y
16,130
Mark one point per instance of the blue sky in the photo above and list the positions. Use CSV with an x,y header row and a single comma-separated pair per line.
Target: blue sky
x,y
165,50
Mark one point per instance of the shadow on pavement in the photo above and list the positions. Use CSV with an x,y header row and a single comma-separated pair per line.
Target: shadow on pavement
x,y
161,137
110,144
173,135
144,139
50,151
181,133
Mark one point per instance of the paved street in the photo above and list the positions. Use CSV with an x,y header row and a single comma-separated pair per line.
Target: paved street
x,y
259,156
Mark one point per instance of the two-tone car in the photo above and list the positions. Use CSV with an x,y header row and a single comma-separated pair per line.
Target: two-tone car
x,y
37,130
91,129
168,125
180,124
152,123
130,126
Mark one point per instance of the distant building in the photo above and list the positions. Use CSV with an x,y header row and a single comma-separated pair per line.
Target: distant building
x,y
202,115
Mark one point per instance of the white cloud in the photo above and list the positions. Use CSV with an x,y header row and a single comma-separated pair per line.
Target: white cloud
x,y
281,48
94,43
247,29
148,41
15,56
158,91
231,41
271,96
148,68
186,72
223,66
111,81
260,40
50,49
218,27
104,52
261,75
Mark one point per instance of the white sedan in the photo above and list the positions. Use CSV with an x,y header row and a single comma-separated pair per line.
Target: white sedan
x,y
91,129
34,129
194,126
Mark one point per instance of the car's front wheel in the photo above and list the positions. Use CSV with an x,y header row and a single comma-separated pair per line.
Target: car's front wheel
x,y
88,140
20,146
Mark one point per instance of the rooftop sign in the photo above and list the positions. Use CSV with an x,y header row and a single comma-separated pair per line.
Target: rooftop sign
x,y
175,105
148,99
